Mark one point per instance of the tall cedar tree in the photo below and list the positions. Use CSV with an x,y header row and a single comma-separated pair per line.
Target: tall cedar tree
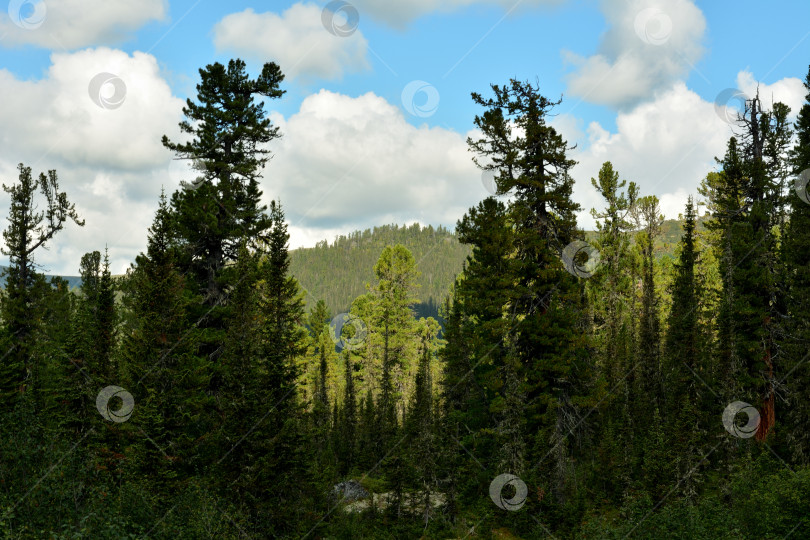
x,y
550,341
610,293
650,388
228,148
395,328
28,230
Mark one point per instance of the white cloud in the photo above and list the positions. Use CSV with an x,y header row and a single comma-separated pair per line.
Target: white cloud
x,y
297,40
790,91
57,116
110,161
666,146
73,24
648,46
349,163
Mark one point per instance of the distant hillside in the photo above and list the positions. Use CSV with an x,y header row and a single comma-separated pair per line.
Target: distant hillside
x,y
73,281
338,272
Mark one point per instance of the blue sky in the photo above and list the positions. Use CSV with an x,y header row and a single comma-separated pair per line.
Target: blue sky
x,y
638,79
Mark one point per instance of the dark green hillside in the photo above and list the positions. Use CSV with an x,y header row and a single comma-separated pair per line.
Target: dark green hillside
x,y
338,272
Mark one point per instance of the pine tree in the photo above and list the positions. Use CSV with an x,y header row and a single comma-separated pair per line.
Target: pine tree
x,y
649,393
610,293
393,320
212,221
28,231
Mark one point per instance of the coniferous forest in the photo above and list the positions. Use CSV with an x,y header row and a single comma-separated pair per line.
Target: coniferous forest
x,y
565,386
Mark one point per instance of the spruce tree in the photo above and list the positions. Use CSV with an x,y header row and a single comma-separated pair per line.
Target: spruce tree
x,y
796,256
159,366
684,363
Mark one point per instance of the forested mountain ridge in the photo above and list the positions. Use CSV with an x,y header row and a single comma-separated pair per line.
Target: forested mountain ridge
x,y
338,272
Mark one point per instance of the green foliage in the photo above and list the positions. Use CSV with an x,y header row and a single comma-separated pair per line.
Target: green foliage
x,y
338,272
602,393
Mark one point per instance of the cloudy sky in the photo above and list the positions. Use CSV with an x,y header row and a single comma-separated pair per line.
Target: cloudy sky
x,y
377,106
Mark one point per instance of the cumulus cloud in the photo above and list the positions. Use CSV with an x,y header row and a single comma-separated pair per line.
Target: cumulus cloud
x,y
666,146
297,40
648,46
109,160
64,114
349,163
72,24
